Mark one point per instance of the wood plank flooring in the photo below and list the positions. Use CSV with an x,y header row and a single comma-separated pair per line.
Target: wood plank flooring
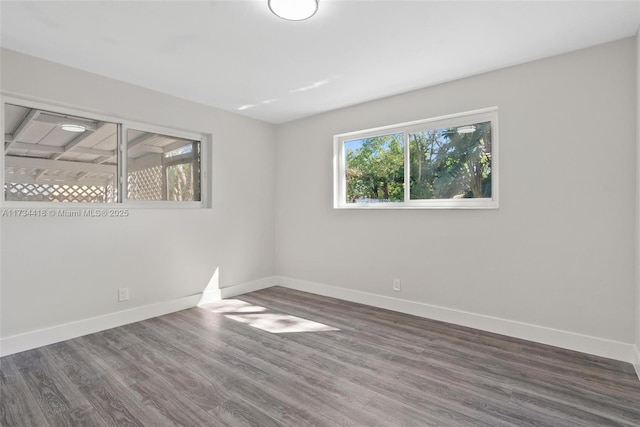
x,y
381,368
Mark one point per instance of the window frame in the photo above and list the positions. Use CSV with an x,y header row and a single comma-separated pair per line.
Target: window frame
x,y
407,128
205,140
127,125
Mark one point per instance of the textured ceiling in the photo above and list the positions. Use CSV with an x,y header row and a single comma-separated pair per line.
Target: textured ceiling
x,y
237,56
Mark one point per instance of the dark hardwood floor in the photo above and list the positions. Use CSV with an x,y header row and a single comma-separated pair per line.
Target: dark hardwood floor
x,y
199,367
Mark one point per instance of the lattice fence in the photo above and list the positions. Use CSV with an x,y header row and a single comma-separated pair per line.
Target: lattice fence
x,y
21,192
146,184
111,192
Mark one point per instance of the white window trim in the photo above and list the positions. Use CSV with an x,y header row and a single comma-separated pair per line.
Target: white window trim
x,y
124,124
204,147
452,120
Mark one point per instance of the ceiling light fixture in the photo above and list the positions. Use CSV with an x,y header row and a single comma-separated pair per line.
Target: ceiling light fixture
x,y
72,128
294,10
467,129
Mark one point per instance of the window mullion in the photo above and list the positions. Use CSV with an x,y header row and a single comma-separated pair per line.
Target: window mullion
x,y
122,164
407,171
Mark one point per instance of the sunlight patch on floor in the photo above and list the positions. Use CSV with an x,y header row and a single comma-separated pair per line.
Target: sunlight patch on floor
x,y
280,323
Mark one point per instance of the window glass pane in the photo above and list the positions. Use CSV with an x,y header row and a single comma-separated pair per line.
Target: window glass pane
x,y
451,163
162,167
375,169
53,157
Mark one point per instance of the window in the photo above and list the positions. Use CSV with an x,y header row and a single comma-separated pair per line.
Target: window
x,y
52,155
446,162
58,158
162,167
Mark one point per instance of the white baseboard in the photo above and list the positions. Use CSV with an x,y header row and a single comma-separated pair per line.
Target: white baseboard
x,y
243,288
214,295
636,359
41,337
555,337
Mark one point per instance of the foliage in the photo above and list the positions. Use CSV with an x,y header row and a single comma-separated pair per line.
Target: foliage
x,y
182,179
375,169
443,164
180,182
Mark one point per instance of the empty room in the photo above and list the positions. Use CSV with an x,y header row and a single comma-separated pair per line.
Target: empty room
x,y
320,212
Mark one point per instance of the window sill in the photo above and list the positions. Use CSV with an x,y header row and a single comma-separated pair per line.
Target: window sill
x,y
425,204
30,205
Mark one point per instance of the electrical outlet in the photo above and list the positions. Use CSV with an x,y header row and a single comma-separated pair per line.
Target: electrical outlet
x,y
396,285
123,294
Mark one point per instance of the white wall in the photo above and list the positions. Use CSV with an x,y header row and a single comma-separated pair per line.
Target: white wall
x,y
637,340
58,270
559,253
